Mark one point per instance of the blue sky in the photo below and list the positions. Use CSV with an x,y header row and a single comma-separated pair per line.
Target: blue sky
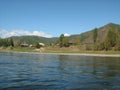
x,y
54,17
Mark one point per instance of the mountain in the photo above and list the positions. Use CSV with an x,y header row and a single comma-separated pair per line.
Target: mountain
x,y
87,37
84,38
32,39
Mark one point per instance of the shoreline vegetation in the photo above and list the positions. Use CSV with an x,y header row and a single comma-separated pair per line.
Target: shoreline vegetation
x,y
47,51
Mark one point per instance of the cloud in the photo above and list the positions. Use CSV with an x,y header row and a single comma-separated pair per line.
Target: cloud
x,y
66,34
5,33
43,34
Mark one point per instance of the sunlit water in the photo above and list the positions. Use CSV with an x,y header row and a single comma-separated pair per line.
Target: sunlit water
x,y
20,71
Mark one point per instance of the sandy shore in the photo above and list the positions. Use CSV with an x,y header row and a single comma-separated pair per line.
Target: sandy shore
x,y
80,54
77,54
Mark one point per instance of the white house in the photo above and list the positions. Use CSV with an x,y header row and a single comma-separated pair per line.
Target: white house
x,y
42,44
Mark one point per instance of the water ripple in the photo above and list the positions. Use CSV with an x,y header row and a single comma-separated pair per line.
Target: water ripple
x,y
58,72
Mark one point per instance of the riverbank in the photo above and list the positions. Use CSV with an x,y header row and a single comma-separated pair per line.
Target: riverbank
x,y
83,54
63,51
75,54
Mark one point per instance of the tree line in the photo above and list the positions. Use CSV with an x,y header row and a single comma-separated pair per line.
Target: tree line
x,y
6,42
111,42
63,41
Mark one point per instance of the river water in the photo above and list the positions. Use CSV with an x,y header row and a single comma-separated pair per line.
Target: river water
x,y
21,71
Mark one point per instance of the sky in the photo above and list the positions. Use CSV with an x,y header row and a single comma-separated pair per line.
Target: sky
x,y
51,18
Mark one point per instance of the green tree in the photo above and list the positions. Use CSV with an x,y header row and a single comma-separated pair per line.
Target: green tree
x,y
37,45
61,38
63,41
5,43
66,41
107,41
95,35
110,40
11,42
0,42
101,46
77,41
117,47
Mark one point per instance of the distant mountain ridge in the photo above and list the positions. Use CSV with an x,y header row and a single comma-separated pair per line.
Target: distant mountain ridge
x,y
32,39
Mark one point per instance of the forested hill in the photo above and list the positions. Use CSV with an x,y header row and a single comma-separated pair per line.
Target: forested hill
x,y
106,37
87,37
33,39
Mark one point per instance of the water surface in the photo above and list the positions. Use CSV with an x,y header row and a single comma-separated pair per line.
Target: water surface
x,y
20,71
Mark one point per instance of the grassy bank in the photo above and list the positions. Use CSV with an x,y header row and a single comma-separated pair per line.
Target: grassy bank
x,y
17,49
76,50
70,50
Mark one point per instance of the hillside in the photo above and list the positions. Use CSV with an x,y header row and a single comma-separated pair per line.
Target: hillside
x,y
87,37
84,38
32,39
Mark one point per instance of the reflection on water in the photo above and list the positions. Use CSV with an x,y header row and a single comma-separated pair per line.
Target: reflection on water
x,y
58,72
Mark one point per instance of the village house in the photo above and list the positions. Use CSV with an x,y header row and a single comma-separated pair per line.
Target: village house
x,y
42,44
24,45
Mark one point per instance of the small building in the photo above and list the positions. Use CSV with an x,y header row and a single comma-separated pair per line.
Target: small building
x,y
24,45
42,44
31,45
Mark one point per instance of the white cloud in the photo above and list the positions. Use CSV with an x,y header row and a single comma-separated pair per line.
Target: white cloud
x,y
37,33
66,34
5,33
